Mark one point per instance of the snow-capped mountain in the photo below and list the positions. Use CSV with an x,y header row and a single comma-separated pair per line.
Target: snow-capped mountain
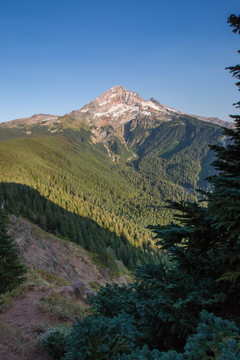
x,y
117,112
117,106
144,134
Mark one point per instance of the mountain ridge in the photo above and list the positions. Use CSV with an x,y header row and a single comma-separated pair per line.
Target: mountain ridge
x,y
118,118
126,105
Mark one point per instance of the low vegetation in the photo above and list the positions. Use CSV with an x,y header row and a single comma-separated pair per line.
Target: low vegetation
x,y
62,308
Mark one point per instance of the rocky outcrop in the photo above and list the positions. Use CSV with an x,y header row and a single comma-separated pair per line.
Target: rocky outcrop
x,y
117,106
76,290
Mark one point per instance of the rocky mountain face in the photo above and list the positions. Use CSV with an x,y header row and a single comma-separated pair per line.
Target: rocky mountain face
x,y
118,106
110,115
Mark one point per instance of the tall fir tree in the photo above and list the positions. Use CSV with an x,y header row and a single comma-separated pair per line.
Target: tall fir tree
x,y
11,270
207,243
224,201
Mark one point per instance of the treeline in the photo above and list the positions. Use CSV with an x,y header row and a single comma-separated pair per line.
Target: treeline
x,y
107,245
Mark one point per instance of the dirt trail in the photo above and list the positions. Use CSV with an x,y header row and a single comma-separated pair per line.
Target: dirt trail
x,y
18,329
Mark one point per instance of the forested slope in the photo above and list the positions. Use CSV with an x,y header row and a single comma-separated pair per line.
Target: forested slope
x,y
71,171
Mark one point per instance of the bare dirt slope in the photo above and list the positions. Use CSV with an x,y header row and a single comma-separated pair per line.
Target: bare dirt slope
x,y
44,252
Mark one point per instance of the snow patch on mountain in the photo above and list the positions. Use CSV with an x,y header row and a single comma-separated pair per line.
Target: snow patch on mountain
x,y
147,104
116,111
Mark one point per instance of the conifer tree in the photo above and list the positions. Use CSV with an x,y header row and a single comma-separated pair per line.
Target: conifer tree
x,y
224,201
11,270
206,245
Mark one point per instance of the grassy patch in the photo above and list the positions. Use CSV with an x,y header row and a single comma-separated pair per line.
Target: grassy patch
x,y
95,285
64,309
53,279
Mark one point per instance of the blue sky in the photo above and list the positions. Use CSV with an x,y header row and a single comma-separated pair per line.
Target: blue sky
x,y
55,56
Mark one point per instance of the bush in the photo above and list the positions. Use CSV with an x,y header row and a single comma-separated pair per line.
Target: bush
x,y
215,339
54,341
146,354
111,300
101,338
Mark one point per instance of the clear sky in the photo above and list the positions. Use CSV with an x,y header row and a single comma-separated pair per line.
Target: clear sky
x,y
57,55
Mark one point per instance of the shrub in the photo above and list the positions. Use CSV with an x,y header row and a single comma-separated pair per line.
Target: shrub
x,y
101,338
54,340
216,338
146,354
111,300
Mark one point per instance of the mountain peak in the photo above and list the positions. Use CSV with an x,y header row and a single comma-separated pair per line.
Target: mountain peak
x,y
117,106
115,91
118,87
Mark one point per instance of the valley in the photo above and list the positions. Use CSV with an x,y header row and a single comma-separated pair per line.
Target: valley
x,y
110,166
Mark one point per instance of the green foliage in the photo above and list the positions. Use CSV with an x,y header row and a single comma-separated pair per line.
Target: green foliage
x,y
101,338
107,245
215,339
225,198
146,354
54,341
163,301
11,270
176,151
111,300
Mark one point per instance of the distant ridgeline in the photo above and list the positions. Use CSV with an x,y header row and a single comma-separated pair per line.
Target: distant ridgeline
x,y
100,182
